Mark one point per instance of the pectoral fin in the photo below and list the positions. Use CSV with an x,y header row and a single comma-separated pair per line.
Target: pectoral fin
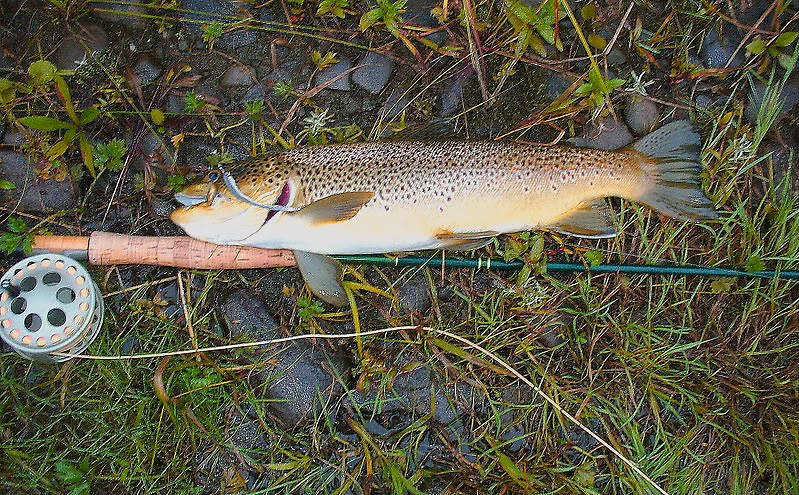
x,y
592,220
336,207
323,275
466,241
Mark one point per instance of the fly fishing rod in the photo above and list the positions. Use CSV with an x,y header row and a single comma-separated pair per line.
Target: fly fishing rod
x,y
104,248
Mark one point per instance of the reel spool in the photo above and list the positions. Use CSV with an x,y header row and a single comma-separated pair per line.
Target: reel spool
x,y
49,303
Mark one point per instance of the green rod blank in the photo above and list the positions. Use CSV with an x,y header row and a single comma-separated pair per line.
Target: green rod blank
x,y
497,264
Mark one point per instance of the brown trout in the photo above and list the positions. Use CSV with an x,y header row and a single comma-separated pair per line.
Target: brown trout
x,y
390,196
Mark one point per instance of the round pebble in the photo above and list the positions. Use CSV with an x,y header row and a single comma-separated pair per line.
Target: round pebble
x,y
237,76
147,69
605,134
72,53
641,115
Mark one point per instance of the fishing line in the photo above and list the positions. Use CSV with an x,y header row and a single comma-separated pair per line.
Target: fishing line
x,y
230,182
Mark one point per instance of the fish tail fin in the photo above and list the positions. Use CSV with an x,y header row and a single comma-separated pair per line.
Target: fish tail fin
x,y
672,165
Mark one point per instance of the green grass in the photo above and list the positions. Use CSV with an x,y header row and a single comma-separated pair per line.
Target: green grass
x,y
694,380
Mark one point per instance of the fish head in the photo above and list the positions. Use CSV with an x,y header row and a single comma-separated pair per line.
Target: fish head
x,y
212,212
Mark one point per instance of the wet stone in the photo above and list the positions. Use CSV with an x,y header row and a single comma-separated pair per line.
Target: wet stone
x,y
375,72
557,84
331,72
129,344
604,134
129,13
37,194
397,101
717,49
147,69
256,92
641,115
788,98
71,53
237,76
245,433
450,98
417,13
296,375
415,295
212,11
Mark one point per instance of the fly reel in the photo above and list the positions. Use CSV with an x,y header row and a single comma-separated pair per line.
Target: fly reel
x,y
49,303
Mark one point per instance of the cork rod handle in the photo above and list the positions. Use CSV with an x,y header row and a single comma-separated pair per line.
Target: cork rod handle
x,y
105,248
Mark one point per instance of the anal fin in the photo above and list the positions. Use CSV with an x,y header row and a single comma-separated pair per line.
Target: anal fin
x,y
323,275
466,241
591,220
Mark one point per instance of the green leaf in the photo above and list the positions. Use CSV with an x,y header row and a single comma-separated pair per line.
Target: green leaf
x,y
524,13
594,257
536,248
756,47
785,39
60,147
87,152
80,489
369,18
755,264
514,249
9,242
157,115
17,225
510,467
89,115
597,41
42,71
612,84
8,90
4,184
63,93
67,473
584,89
588,11
46,124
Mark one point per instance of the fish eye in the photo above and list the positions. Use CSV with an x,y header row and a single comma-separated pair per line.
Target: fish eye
x,y
213,176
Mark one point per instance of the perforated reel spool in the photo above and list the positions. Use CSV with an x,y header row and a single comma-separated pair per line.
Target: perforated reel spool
x,y
49,303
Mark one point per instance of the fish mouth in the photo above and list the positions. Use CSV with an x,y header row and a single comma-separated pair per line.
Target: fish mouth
x,y
282,200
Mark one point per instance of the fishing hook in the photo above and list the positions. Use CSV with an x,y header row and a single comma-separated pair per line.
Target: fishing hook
x,y
230,182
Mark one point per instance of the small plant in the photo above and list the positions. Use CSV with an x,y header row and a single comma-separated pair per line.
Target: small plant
x,y
211,33
283,89
75,128
774,48
77,479
109,156
308,310
597,88
193,102
254,109
19,234
333,7
216,159
176,182
322,61
388,13
532,25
